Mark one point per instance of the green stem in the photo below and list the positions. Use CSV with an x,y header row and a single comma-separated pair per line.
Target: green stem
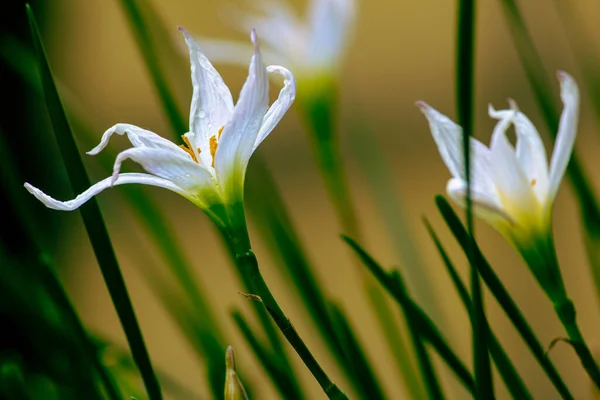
x,y
248,264
565,309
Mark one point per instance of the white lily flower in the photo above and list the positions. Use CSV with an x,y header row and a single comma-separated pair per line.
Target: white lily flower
x,y
513,189
210,168
312,46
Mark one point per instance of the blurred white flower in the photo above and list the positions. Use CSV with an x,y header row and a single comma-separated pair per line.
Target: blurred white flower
x,y
311,46
210,168
512,188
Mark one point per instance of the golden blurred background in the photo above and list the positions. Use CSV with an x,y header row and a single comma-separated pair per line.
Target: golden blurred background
x,y
401,52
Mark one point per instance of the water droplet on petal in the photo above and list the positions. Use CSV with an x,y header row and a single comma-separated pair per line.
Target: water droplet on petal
x,y
202,114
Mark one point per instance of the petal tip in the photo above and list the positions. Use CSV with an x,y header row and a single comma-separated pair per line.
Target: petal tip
x,y
424,107
254,38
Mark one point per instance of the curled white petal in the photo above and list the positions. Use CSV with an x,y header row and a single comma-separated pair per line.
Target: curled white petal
x,y
138,137
567,131
530,151
238,137
508,175
486,205
182,171
448,137
70,205
286,97
212,104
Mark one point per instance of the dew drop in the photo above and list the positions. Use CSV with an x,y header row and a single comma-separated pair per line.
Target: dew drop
x,y
202,114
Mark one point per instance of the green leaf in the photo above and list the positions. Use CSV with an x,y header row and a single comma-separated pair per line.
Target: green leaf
x,y
355,356
501,295
288,388
143,38
93,220
416,317
507,371
465,82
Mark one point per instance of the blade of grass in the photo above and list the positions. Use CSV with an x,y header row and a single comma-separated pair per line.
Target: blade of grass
x,y
501,295
93,220
143,40
355,356
541,87
287,387
275,225
505,367
465,82
416,317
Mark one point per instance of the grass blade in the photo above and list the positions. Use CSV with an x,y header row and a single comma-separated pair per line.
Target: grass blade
x,y
416,317
355,356
288,388
143,40
502,296
507,371
465,81
93,220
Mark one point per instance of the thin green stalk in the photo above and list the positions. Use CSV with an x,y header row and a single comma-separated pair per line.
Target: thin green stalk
x,y
142,36
541,87
507,371
465,80
425,327
355,356
432,384
501,295
93,220
288,388
238,238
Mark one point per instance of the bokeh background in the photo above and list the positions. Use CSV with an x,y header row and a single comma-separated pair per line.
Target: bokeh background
x,y
401,52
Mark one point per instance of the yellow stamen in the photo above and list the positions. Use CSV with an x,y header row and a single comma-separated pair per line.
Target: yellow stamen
x,y
533,182
220,131
213,148
187,147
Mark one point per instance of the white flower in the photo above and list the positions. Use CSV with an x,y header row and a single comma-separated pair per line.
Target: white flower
x,y
210,168
512,188
313,46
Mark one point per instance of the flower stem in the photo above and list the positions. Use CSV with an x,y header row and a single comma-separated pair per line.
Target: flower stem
x,y
248,264
565,309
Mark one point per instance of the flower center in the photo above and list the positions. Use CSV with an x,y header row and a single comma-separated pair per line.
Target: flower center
x,y
213,143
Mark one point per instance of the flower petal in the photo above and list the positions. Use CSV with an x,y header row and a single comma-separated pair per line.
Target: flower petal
x,y
183,172
530,149
144,179
212,104
138,137
286,97
487,206
330,23
238,138
512,184
567,131
448,137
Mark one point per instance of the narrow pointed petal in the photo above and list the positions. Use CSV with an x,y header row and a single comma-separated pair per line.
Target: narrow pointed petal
x,y
232,52
330,23
182,171
212,104
486,205
530,149
512,184
138,137
567,131
144,179
238,137
448,137
286,97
